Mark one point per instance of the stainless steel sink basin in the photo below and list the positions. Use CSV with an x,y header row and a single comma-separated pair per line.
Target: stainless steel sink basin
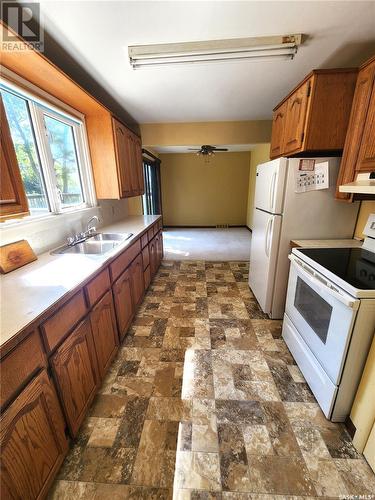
x,y
110,237
99,244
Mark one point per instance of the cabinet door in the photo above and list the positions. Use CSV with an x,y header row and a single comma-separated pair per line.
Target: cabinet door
x,y
366,155
139,165
137,280
122,157
153,256
355,133
132,163
296,119
75,370
278,129
160,248
104,332
123,302
33,442
13,201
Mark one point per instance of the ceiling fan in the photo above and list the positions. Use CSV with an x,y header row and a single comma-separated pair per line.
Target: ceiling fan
x,y
207,150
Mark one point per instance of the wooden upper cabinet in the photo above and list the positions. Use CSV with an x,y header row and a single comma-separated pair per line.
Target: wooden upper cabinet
x,y
128,160
33,442
359,150
13,201
104,332
139,164
133,163
314,117
75,371
278,128
295,120
366,155
122,158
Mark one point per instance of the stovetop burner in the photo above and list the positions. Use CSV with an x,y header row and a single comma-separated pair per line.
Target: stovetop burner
x,y
353,265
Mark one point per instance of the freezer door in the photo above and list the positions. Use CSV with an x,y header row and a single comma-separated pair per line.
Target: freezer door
x,y
269,186
263,256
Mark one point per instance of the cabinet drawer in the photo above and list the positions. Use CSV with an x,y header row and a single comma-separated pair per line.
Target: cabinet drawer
x,y
98,286
121,263
20,364
160,224
147,276
150,233
144,240
145,257
56,327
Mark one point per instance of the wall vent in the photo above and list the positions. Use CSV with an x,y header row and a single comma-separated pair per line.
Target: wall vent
x,y
222,226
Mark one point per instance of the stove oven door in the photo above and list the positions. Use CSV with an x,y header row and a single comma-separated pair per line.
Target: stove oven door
x,y
322,313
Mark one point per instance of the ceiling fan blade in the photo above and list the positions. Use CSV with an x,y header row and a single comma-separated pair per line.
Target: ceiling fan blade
x,y
220,149
194,149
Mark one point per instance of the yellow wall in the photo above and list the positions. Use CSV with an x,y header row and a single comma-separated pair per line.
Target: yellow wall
x,y
184,134
196,193
363,410
259,154
135,205
367,208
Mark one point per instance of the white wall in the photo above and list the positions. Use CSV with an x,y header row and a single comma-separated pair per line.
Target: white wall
x,y
48,233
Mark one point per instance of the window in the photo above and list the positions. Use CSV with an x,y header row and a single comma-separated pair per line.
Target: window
x,y
51,152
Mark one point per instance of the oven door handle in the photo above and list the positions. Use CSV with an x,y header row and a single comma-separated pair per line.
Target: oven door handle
x,y
324,285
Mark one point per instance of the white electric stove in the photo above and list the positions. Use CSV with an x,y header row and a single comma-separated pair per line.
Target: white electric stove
x,y
329,319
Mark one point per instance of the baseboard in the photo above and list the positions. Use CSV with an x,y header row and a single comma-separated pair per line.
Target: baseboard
x,y
202,227
249,229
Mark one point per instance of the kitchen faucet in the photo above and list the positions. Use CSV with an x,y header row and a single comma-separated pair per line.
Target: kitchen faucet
x,y
91,229
78,238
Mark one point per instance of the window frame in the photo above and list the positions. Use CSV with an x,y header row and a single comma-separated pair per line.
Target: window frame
x,y
38,108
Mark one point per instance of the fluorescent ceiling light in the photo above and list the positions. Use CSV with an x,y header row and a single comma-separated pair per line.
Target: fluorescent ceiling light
x,y
233,49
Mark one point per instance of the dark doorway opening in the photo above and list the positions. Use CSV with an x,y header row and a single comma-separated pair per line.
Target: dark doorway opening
x,y
152,198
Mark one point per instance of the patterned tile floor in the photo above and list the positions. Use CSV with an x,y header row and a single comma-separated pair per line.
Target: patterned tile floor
x,y
204,401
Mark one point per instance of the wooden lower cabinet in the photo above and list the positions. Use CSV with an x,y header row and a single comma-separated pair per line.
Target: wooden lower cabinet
x,y
122,294
137,280
153,257
104,332
74,366
32,434
147,277
159,248
33,442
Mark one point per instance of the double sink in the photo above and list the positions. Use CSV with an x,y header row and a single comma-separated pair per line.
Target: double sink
x,y
97,244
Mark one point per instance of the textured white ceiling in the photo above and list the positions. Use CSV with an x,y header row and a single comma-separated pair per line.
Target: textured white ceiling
x,y
97,34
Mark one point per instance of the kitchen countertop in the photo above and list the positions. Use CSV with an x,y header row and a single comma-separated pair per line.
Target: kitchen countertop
x,y
349,243
32,289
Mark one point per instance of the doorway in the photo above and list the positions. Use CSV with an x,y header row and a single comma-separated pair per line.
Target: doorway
x,y
152,198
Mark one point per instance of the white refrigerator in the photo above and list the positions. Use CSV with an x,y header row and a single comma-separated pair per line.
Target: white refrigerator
x,y
282,214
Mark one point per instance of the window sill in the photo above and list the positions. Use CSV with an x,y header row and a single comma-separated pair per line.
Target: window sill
x,y
30,219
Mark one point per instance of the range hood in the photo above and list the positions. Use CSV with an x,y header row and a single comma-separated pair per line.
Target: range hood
x,y
364,184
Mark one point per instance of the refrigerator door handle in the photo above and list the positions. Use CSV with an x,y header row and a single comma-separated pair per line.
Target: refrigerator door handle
x,y
272,191
266,240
